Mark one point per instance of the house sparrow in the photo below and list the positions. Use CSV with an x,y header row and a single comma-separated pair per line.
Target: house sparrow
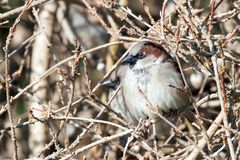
x,y
149,74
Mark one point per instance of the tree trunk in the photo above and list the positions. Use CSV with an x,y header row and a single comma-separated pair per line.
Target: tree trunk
x,y
39,65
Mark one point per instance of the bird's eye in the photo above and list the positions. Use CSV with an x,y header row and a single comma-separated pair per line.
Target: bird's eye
x,y
141,55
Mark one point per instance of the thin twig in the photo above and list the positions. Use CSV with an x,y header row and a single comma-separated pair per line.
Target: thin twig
x,y
90,120
202,142
221,98
8,79
101,141
20,9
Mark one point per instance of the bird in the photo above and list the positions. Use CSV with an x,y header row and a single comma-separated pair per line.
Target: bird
x,y
151,82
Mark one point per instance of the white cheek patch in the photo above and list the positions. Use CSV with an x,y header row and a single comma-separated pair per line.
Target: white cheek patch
x,y
145,62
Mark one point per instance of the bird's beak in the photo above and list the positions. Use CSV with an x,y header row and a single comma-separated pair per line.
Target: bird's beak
x,y
110,84
130,60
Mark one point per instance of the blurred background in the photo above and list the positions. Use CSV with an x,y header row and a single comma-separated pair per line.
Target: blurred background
x,y
59,51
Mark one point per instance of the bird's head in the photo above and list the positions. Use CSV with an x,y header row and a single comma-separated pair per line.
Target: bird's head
x,y
144,54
